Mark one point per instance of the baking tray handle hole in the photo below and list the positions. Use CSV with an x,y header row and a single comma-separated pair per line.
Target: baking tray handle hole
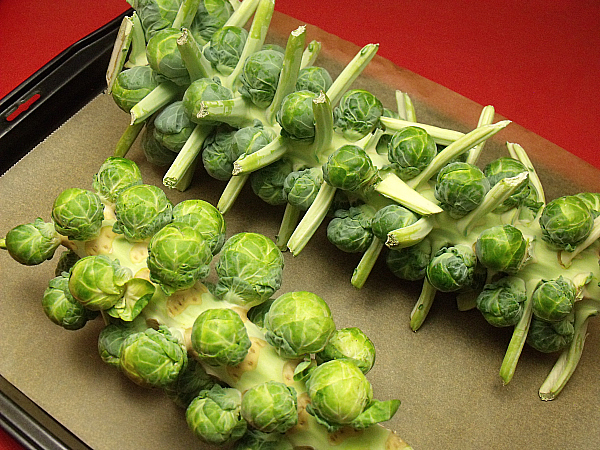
x,y
22,107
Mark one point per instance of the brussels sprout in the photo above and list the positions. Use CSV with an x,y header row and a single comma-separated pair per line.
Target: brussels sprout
x,y
566,221
220,337
502,248
350,230
165,58
225,49
350,344
60,306
270,407
410,150
257,440
260,76
210,17
156,15
249,268
302,186
178,257
268,182
460,188
257,313
172,127
33,243
452,268
218,153
215,415
110,341
153,358
155,153
141,211
349,168
98,282
357,114
553,300
132,85
315,79
114,175
299,323
549,337
410,263
78,214
505,167
66,261
192,380
501,303
389,218
296,116
203,90
205,219
592,200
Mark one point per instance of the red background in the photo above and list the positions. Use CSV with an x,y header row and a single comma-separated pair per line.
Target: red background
x,y
536,62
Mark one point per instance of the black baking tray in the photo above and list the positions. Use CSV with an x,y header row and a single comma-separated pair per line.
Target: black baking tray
x,y
61,88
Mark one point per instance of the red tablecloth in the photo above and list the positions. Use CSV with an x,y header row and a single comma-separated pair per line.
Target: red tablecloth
x,y
536,62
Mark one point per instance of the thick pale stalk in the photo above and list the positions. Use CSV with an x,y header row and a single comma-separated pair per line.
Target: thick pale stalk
x,y
128,138
186,156
260,158
310,54
242,13
186,13
486,118
442,136
351,72
236,112
231,192
191,54
406,109
410,235
163,94
366,263
119,52
291,216
423,305
517,152
391,186
323,127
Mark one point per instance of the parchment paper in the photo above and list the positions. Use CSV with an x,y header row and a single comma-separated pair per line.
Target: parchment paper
x,y
446,374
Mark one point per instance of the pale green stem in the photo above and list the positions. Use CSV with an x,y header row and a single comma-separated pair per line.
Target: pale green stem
x,y
260,158
406,109
310,54
323,127
231,192
163,94
366,263
566,258
442,136
186,13
518,152
289,71
185,181
186,156
391,186
567,361
351,72
234,112
291,216
455,149
119,52
495,197
242,13
312,219
410,235
486,118
191,54
423,305
127,139
137,55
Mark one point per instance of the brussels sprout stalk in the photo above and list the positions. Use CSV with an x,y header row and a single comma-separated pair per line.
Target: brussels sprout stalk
x,y
422,306
410,235
442,136
486,118
128,138
162,95
185,14
366,263
196,64
393,187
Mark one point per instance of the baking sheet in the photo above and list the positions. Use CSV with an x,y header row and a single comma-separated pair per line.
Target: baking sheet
x,y
446,374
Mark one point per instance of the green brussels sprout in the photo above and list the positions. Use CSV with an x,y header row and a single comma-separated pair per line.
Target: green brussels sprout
x,y
566,221
210,17
410,263
165,58
550,337
273,47
553,300
257,313
153,358
350,230
155,153
260,77
506,167
225,49
257,440
502,248
298,323
592,200
141,211
67,259
350,344
217,152
357,114
501,302
205,219
114,175
132,85
203,90
215,416
250,268
349,168
452,268
78,214
110,341
98,282
192,380
60,306
296,116
178,257
172,126
270,407
315,79
460,188
156,15
268,183
220,337
389,218
33,243
302,186
410,150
